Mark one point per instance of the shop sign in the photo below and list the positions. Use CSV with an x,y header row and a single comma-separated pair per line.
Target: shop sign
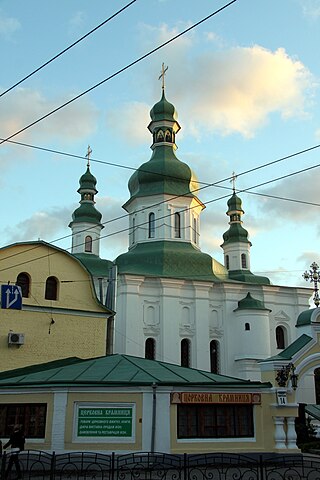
x,y
105,421
203,397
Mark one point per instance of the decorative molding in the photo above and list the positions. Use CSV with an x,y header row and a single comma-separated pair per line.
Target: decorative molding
x,y
216,332
187,330
281,316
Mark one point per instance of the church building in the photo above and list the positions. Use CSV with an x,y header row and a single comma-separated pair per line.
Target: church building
x,y
175,303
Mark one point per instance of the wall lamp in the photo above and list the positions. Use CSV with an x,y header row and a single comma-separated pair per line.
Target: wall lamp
x,y
286,373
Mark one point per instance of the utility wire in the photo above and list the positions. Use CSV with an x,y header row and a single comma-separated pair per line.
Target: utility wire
x,y
123,69
216,184
67,48
163,216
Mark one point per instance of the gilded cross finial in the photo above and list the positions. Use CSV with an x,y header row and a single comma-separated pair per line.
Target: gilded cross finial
x,y
162,75
89,151
233,181
313,275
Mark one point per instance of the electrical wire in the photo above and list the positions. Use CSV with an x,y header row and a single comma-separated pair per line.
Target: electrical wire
x,y
205,184
123,69
67,48
162,217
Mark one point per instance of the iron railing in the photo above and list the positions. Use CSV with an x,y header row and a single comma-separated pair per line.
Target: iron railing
x,y
40,465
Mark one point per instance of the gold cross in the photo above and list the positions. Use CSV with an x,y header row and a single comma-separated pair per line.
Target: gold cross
x,y
88,155
163,72
233,181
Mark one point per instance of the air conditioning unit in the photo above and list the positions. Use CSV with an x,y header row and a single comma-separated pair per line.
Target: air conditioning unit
x,y
15,338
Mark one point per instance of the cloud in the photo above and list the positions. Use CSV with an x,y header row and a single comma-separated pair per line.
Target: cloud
x,y
8,25
26,106
43,225
226,90
134,120
310,8
293,188
236,90
76,21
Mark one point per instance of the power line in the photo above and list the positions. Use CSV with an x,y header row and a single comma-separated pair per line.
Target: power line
x,y
67,48
206,185
123,69
160,218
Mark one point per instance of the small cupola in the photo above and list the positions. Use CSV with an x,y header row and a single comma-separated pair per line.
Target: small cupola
x,y
86,219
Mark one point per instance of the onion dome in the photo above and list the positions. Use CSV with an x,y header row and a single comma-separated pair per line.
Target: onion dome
x,y
236,232
164,173
163,110
88,181
87,212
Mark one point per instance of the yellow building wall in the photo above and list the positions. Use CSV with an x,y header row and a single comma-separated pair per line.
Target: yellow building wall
x,y
79,330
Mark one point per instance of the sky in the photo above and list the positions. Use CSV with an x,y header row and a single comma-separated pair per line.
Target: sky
x,y
245,84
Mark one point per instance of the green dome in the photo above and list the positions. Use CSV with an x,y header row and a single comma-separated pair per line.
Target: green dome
x,y
86,213
251,303
235,204
236,233
88,181
163,173
163,110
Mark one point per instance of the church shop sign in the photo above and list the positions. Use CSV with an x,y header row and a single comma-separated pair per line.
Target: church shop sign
x,y
226,398
106,420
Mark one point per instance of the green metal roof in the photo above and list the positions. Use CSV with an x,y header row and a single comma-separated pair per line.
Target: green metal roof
x,y
116,370
247,276
291,350
94,264
164,173
235,204
313,410
168,259
305,317
87,213
163,110
235,233
88,181
251,303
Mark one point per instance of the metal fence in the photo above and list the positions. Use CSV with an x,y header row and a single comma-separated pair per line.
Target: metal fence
x,y
160,466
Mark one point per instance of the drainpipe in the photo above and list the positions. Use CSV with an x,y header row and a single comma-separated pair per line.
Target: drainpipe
x,y
154,416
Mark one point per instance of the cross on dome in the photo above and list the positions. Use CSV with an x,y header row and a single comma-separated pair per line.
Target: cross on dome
x,y
162,75
89,151
233,181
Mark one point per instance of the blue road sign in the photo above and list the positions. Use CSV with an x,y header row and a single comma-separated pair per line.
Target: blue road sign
x,y
11,297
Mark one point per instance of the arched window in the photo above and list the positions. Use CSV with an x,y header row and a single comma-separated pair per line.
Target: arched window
x,y
150,349
227,262
160,136
185,352
280,338
88,244
177,225
23,280
243,260
214,357
317,385
195,230
152,225
51,292
168,136
247,326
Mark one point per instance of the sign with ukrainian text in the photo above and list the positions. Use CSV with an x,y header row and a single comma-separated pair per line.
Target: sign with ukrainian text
x,y
203,397
110,420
